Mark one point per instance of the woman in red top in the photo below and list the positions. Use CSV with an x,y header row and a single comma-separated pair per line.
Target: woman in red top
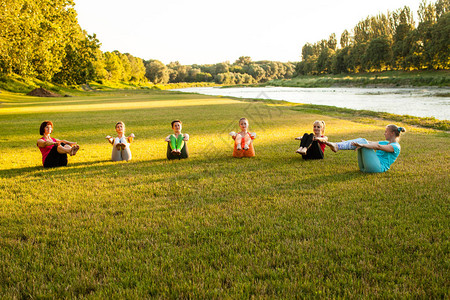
x,y
54,151
313,144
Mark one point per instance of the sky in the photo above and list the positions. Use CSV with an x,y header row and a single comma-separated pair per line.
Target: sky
x,y
209,32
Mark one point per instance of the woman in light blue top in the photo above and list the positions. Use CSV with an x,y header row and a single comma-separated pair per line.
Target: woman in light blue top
x,y
369,160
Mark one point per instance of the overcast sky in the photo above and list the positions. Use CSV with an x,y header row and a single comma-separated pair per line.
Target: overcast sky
x,y
208,31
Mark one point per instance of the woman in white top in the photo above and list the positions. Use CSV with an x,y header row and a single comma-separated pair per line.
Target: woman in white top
x,y
121,144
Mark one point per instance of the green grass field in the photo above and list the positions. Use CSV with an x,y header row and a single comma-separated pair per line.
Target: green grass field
x,y
212,226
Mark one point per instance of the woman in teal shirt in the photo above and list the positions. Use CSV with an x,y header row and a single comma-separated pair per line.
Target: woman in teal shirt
x,y
371,161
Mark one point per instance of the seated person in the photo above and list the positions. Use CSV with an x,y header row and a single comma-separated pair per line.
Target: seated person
x,y
313,145
374,157
177,146
54,151
121,144
243,141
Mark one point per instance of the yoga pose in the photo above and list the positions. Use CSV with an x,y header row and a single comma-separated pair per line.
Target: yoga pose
x,y
121,144
243,141
54,151
177,147
370,161
312,145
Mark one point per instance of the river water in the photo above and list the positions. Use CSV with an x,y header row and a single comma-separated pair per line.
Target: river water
x,y
420,102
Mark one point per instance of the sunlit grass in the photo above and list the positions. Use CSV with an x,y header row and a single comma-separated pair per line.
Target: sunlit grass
x,y
212,226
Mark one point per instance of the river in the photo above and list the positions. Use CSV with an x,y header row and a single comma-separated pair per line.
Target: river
x,y
420,102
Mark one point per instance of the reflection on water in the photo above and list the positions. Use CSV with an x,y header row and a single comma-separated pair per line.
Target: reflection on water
x,y
420,102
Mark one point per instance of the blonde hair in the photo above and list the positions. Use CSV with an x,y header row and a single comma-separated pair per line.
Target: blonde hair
x,y
323,125
396,129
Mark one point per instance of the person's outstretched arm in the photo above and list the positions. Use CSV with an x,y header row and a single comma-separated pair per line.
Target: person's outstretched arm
x,y
41,143
67,142
321,139
130,138
110,139
375,146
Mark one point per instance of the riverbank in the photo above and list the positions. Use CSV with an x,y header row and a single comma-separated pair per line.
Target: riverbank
x,y
379,79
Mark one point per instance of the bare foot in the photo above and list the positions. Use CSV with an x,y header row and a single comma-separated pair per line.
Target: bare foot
x,y
74,150
301,150
120,146
333,146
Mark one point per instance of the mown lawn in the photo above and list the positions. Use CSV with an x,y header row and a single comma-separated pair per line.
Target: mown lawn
x,y
212,226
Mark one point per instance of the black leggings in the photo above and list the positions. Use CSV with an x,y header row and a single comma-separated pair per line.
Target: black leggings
x,y
314,151
55,159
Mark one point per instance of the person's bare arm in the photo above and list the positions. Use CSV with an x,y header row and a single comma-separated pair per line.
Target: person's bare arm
x,y
375,146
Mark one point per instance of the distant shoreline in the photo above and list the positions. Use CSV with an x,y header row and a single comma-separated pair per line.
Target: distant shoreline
x,y
391,79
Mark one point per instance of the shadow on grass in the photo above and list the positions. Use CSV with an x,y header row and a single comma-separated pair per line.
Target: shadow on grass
x,y
29,170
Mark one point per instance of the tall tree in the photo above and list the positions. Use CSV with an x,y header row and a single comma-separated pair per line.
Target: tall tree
x,y
403,24
345,39
440,46
332,42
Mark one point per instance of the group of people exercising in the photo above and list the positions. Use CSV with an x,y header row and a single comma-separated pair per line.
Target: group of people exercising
x,y
373,157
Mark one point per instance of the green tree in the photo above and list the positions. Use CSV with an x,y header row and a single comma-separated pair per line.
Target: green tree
x,y
440,45
223,67
34,35
137,71
403,25
324,61
442,7
156,71
192,74
113,66
126,66
203,77
345,39
355,57
82,61
243,61
378,54
340,61
332,42
256,72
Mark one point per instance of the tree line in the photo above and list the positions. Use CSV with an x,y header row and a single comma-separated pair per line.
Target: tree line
x,y
242,71
385,42
42,39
